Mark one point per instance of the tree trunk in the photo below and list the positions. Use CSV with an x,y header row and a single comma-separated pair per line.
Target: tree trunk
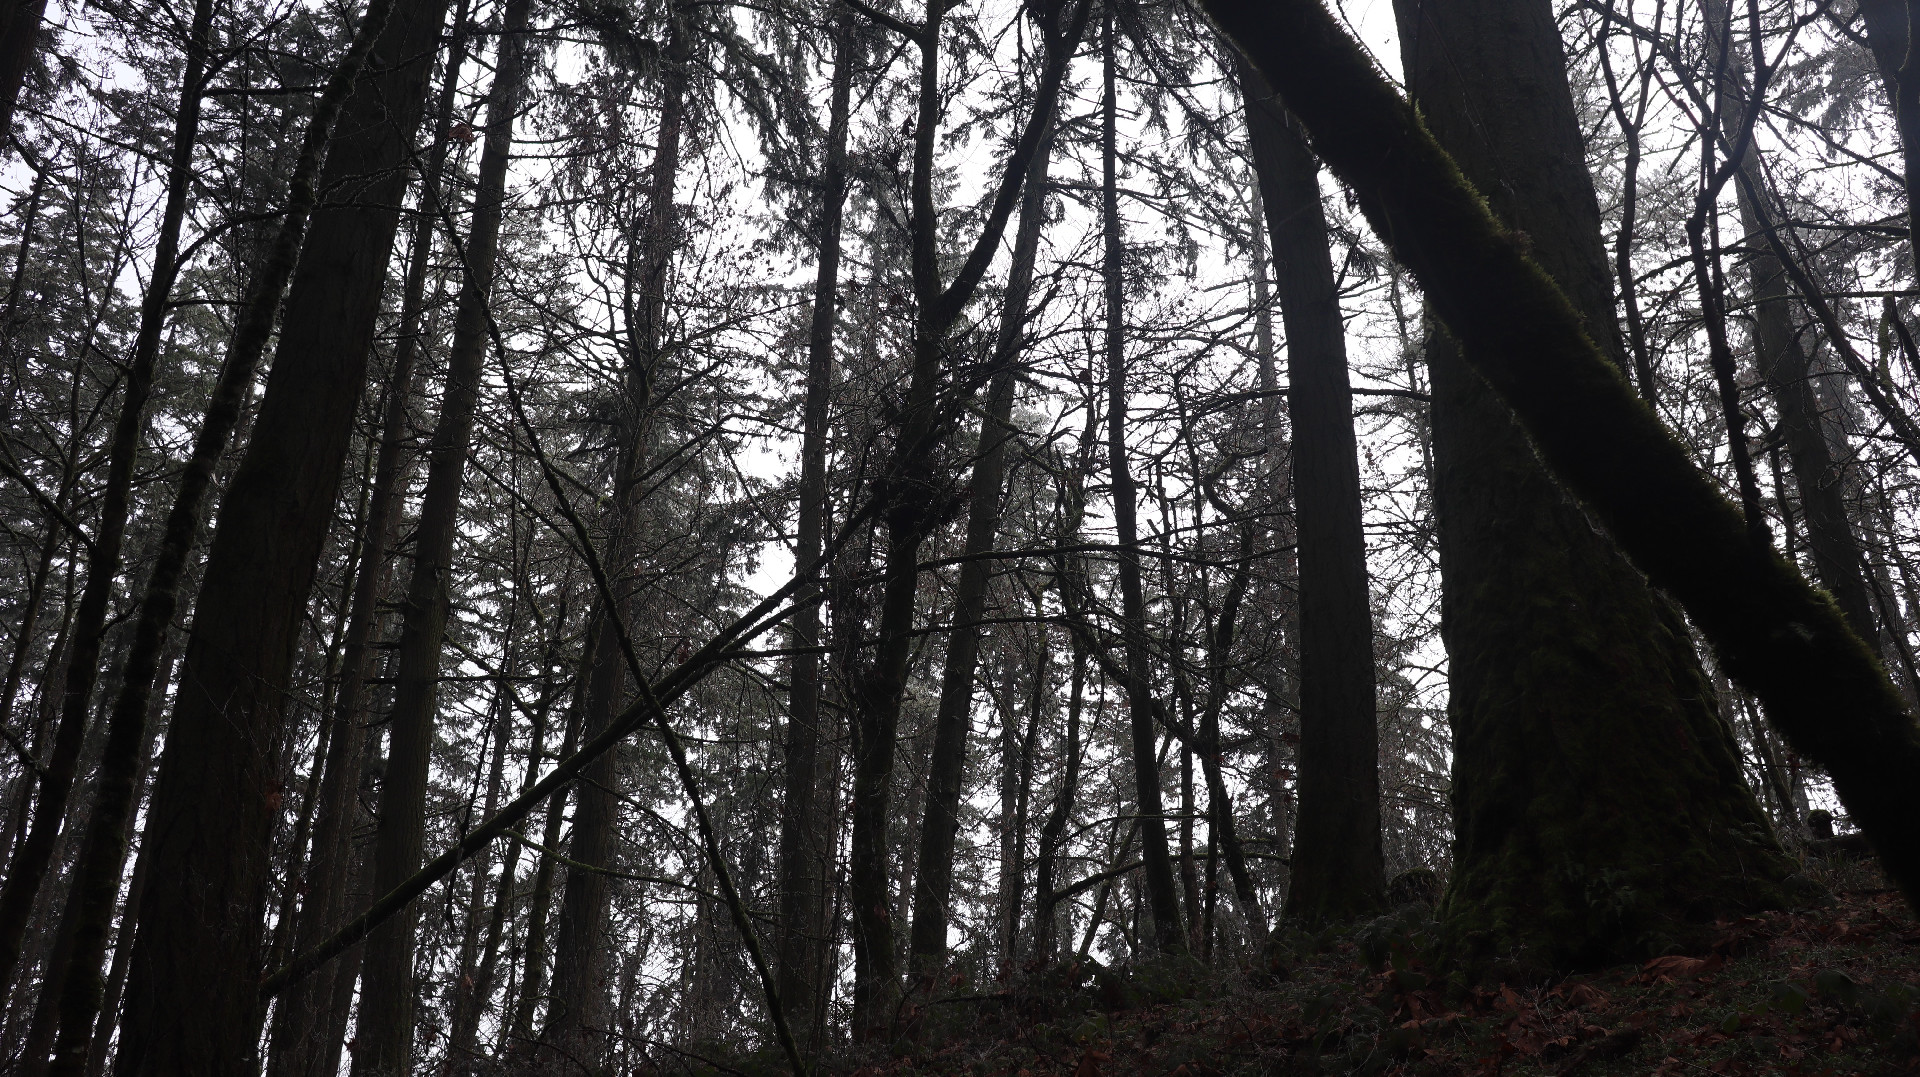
x,y
577,1015
1783,361
219,1037
802,862
913,492
1890,36
19,39
297,1045
1600,808
1162,897
385,1028
1338,872
933,886
29,867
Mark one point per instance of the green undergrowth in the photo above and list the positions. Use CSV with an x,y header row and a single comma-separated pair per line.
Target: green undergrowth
x,y
1832,989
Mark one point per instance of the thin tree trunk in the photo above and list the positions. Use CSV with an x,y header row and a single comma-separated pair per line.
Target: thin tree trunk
x,y
933,886
1338,869
533,977
28,869
1045,872
1162,897
577,1013
801,861
912,499
474,1001
385,1028
1784,364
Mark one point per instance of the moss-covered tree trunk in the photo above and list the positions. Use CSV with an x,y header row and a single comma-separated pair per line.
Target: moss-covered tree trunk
x,y
1782,639
1599,804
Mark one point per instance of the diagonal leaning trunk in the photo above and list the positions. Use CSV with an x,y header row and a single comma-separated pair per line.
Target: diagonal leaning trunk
x,y
216,792
1520,332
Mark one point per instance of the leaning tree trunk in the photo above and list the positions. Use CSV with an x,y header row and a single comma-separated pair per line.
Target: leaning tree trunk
x,y
224,1020
192,984
802,863
385,1029
933,884
297,1046
27,870
1338,871
1163,898
1601,813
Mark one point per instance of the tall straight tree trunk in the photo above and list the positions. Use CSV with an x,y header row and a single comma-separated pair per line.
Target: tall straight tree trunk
x,y
533,975
1046,869
224,1008
933,886
577,1015
1162,897
802,863
297,1045
29,867
1600,807
466,1023
385,1028
913,493
462,992
1338,871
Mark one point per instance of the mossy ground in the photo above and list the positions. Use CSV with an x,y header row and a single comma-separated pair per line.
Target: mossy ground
x,y
1826,990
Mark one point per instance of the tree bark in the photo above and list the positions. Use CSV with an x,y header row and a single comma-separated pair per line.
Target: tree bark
x,y
1891,26
385,1028
933,885
1600,808
298,1035
577,1014
19,40
913,493
802,863
1162,897
1780,637
1338,871
28,868
224,1020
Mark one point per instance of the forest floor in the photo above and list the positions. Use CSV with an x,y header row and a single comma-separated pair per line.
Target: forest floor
x,y
1832,990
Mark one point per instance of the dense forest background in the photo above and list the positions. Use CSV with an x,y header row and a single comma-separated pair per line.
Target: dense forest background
x,y
598,537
